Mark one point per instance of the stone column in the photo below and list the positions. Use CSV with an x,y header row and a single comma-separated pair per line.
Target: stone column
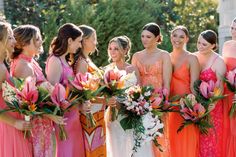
x,y
226,10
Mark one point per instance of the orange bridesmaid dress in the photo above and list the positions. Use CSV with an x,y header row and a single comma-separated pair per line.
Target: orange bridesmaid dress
x,y
229,130
153,75
185,143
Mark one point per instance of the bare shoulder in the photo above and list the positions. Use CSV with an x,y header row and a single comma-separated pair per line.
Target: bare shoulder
x,y
192,57
130,68
165,54
53,60
138,54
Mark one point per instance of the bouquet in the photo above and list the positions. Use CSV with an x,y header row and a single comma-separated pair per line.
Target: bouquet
x,y
114,81
86,87
137,108
160,102
24,97
195,113
230,81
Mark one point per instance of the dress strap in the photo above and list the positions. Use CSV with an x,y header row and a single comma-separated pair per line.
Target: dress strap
x,y
214,60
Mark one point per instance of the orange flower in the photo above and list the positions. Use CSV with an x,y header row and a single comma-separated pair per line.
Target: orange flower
x,y
32,107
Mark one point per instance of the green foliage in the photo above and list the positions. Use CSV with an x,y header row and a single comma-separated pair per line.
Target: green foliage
x,y
114,17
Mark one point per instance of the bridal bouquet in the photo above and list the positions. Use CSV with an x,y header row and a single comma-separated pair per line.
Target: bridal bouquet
x,y
114,81
195,113
86,87
137,108
230,81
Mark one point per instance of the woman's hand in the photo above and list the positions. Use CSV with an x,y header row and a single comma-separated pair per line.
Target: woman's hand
x,y
86,106
22,125
211,106
57,119
111,102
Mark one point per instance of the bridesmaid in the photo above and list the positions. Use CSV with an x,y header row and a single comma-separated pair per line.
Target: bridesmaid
x,y
12,141
155,69
95,137
29,45
58,70
185,72
117,139
229,132
212,68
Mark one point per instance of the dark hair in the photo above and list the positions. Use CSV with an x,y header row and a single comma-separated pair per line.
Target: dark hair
x,y
183,28
210,36
23,35
154,29
87,32
234,20
59,44
123,43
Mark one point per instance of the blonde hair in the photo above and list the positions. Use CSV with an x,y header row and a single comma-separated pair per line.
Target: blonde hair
x,y
4,32
123,43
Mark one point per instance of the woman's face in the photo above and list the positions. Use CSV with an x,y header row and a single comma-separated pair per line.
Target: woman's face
x,y
36,45
178,38
73,45
233,29
89,44
148,39
10,42
115,53
204,46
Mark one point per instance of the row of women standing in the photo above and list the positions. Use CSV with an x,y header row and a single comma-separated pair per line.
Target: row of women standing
x,y
176,72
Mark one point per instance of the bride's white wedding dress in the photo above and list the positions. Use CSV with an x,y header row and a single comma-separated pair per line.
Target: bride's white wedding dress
x,y
119,142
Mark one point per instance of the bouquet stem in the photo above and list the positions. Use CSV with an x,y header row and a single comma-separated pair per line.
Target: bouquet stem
x,y
113,113
62,133
91,122
233,107
27,133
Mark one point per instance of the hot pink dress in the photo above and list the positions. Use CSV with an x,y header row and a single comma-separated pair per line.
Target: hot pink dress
x,y
211,145
42,132
12,141
229,132
74,145
153,75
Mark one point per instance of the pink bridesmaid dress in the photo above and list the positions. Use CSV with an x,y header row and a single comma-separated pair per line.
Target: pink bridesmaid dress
x,y
42,132
12,141
153,75
74,145
211,145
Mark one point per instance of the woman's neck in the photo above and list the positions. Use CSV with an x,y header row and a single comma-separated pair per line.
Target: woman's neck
x,y
151,50
207,54
178,51
234,38
28,54
120,65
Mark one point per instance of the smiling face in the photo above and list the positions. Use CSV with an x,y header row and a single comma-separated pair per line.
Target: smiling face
x,y
233,29
178,38
148,39
204,46
115,52
90,43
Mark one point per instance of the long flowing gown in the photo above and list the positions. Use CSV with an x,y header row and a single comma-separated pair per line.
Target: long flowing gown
x,y
229,132
74,145
211,145
185,143
95,137
119,142
13,143
153,75
42,132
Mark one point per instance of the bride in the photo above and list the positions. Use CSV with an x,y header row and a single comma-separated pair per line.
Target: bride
x,y
120,142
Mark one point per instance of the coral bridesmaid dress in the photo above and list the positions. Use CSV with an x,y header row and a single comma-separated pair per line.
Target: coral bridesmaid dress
x,y
211,145
185,143
229,132
153,75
